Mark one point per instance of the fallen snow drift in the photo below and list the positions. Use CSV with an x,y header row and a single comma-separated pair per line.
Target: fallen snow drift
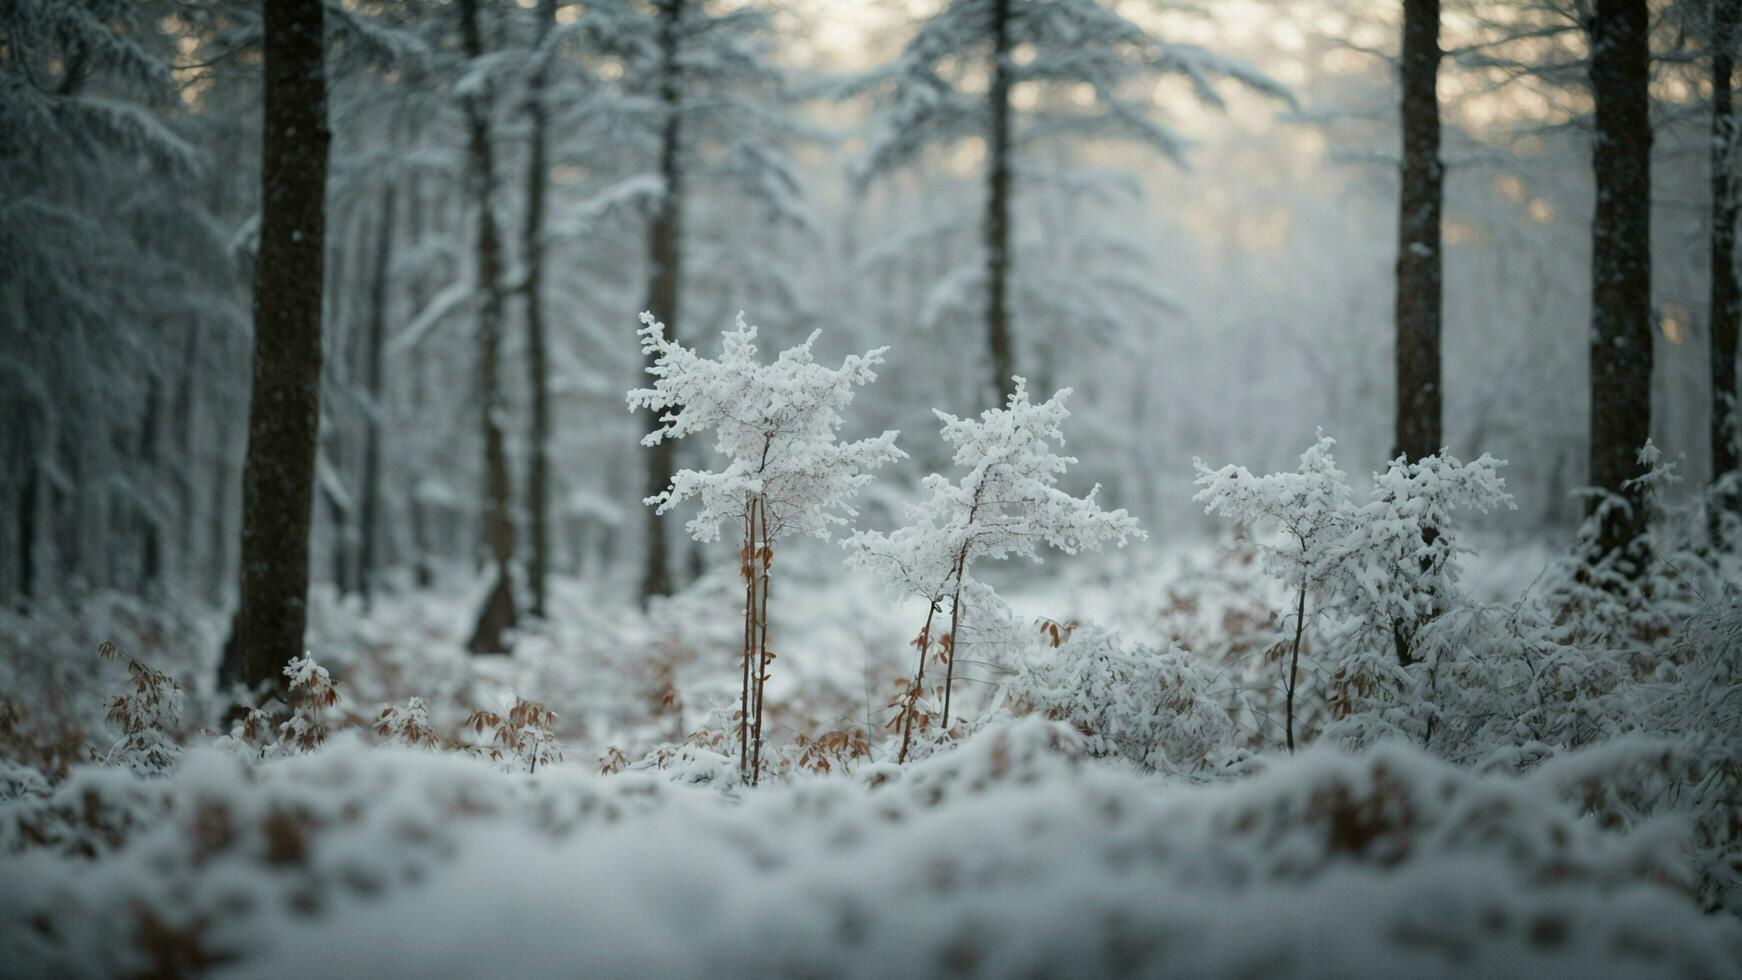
x,y
1011,855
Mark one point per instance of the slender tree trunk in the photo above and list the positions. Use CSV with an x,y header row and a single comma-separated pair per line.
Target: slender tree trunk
x,y
26,533
497,615
1294,669
748,570
665,265
1726,305
1418,237
1621,350
765,557
368,523
284,409
998,208
538,454
918,686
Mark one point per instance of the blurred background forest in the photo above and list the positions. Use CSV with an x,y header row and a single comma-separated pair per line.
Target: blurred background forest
x,y
1202,244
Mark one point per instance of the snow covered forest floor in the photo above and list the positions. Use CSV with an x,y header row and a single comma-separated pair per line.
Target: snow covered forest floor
x,y
1589,828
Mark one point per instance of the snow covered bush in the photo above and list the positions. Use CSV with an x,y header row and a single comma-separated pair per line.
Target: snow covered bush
x,y
786,472
408,726
1155,707
1006,504
312,690
1380,571
149,717
524,739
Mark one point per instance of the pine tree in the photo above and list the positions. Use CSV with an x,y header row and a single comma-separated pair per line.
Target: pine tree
x,y
933,99
537,360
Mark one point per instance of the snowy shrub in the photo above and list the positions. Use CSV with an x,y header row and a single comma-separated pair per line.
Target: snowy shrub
x,y
408,726
148,716
786,472
1006,504
524,739
312,690
1156,708
1379,571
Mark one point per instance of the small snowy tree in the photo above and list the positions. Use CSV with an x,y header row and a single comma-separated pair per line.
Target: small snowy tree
x,y
1007,504
311,689
408,725
525,738
146,715
786,472
1383,567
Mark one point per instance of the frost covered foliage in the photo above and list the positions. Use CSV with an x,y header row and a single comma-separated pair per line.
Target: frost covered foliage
x,y
775,423
1378,571
407,726
1158,708
786,472
1012,855
1006,504
149,717
524,739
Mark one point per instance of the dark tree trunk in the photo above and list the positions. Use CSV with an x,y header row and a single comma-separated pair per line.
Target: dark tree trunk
x,y
1418,237
26,532
1621,265
1726,306
665,269
497,615
538,454
368,530
284,411
998,208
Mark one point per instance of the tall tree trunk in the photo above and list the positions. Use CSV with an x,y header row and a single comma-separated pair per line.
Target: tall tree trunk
x,y
368,530
1418,237
1621,265
26,529
1726,305
284,411
998,208
497,615
665,269
538,455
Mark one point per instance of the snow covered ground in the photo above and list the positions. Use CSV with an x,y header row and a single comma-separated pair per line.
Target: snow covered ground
x,y
1015,846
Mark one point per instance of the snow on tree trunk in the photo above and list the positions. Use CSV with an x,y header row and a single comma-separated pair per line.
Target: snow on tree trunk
x,y
1418,238
284,413
497,615
1621,350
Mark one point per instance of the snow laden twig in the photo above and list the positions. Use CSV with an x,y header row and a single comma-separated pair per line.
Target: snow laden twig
x,y
785,472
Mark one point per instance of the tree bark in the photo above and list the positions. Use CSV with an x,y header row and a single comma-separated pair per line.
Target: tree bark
x,y
497,615
538,455
665,265
1418,238
284,409
374,364
998,208
1726,304
1621,343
